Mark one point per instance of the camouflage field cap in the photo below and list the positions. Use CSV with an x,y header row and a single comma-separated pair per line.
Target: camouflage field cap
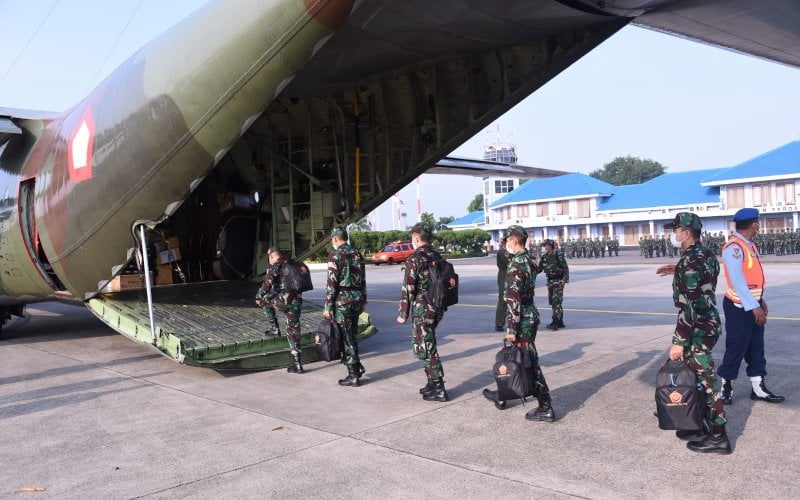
x,y
423,230
549,242
685,219
339,232
516,231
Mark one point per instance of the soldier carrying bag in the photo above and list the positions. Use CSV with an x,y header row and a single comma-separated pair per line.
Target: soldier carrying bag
x,y
513,373
296,277
679,401
328,341
443,287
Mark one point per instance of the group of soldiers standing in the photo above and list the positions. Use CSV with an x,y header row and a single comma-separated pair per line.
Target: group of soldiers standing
x,y
587,248
778,242
783,242
650,247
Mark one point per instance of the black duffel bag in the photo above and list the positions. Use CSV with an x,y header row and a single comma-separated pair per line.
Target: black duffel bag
x,y
679,401
513,373
328,341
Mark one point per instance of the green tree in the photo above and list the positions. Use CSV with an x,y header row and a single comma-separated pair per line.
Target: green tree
x,y
443,222
445,238
624,170
428,219
475,204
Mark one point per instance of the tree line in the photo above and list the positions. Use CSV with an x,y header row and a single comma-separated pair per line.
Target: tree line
x,y
467,241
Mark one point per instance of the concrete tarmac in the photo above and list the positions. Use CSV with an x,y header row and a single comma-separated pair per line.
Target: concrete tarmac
x,y
88,413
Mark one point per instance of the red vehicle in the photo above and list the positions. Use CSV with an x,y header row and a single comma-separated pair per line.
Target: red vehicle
x,y
397,251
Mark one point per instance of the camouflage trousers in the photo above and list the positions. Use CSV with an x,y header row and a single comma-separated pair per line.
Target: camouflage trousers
x,y
528,329
292,313
555,297
346,316
698,357
423,330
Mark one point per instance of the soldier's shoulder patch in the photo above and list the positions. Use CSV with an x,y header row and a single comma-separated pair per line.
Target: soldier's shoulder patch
x,y
737,252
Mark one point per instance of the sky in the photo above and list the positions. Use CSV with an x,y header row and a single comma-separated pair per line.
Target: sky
x,y
641,93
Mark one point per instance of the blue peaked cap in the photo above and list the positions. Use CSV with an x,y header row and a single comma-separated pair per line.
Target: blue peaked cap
x,y
745,214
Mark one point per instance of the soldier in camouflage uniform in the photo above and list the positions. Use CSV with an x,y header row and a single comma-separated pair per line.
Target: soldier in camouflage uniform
x,y
523,319
425,317
273,295
555,268
345,297
698,328
502,264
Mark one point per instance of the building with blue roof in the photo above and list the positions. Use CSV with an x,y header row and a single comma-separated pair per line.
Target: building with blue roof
x,y
471,220
576,206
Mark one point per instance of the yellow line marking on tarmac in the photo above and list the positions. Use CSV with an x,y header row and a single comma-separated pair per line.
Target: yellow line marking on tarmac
x,y
602,311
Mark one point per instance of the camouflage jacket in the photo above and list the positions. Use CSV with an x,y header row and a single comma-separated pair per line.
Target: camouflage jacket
x,y
273,290
693,288
347,283
520,284
415,282
555,267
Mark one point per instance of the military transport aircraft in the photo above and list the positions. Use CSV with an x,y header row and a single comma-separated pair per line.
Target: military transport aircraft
x,y
252,124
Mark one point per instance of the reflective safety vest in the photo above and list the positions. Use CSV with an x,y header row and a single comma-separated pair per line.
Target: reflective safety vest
x,y
751,269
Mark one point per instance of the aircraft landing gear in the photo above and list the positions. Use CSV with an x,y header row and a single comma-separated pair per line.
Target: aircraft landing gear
x,y
5,315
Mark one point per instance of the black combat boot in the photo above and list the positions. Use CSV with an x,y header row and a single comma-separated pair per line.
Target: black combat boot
x,y
727,392
361,369
438,393
553,325
687,435
297,367
492,396
763,393
715,441
544,413
273,329
428,387
561,322
352,377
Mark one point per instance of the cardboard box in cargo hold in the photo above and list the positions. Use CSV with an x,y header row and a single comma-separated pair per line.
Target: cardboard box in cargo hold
x,y
125,282
164,275
168,251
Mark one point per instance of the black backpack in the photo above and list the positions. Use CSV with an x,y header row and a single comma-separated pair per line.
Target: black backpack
x,y
513,373
296,277
443,285
328,341
679,401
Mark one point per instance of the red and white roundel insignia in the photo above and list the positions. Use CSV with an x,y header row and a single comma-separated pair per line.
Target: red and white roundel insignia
x,y
79,149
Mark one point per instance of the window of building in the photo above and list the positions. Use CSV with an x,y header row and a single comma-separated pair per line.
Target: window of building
x,y
542,209
522,210
785,193
504,186
735,197
761,194
584,210
562,207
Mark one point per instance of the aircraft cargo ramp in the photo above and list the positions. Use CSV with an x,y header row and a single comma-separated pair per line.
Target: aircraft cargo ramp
x,y
212,324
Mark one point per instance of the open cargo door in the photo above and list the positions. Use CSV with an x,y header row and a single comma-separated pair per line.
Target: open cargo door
x,y
212,324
